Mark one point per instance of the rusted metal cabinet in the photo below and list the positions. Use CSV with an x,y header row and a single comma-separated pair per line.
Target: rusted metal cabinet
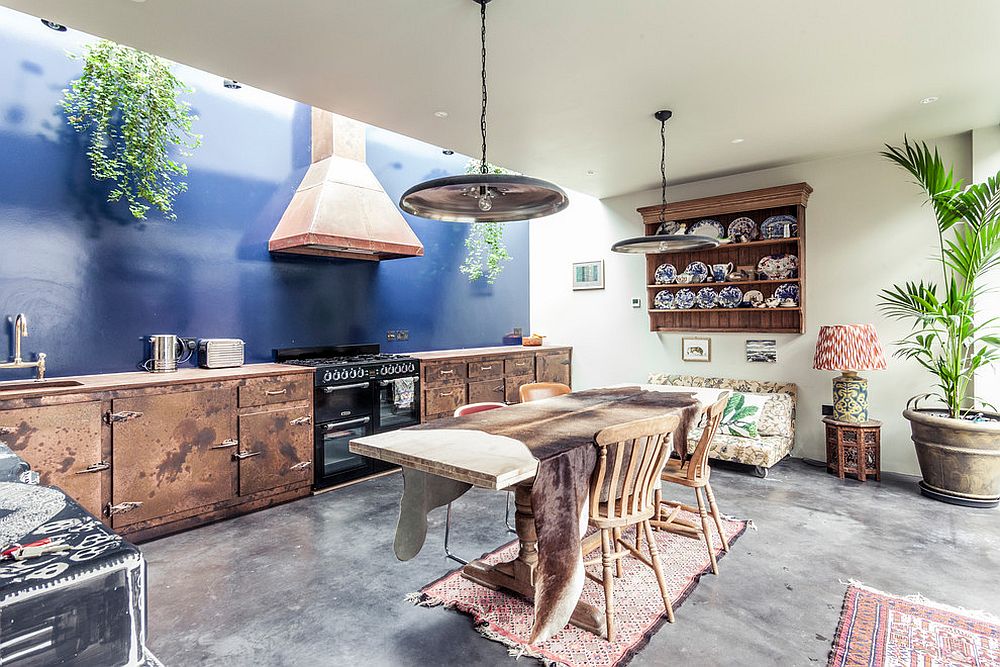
x,y
276,448
63,444
553,367
173,453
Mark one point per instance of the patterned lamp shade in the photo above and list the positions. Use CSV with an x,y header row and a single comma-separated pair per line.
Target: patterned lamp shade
x,y
848,347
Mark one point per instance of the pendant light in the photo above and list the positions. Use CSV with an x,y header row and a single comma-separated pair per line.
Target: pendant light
x,y
484,197
664,243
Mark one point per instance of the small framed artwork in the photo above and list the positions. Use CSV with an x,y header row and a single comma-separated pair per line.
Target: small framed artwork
x,y
696,349
588,275
762,351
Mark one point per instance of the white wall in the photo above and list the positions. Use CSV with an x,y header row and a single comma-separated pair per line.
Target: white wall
x,y
986,163
866,230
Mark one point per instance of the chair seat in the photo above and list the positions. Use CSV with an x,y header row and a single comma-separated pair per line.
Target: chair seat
x,y
600,522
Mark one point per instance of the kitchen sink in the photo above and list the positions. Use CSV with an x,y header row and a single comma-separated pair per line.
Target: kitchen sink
x,y
38,384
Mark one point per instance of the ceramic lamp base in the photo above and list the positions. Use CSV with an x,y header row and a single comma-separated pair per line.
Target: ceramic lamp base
x,y
850,398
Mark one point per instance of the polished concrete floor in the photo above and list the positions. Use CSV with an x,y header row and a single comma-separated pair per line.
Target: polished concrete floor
x,y
315,582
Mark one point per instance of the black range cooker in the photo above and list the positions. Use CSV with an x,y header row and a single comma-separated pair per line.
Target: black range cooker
x,y
359,391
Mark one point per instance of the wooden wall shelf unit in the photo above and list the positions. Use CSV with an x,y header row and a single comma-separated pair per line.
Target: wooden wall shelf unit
x,y
758,205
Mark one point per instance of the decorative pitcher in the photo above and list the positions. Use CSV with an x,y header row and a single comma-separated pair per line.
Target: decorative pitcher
x,y
720,271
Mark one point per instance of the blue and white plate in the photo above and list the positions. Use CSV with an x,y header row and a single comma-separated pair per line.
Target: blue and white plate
x,y
787,291
774,227
668,228
754,297
707,298
707,227
665,274
699,270
743,227
779,266
684,299
664,300
730,297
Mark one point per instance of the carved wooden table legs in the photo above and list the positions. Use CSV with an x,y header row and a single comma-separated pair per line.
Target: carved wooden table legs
x,y
518,575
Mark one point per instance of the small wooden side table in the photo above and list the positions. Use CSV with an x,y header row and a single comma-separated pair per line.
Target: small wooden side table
x,y
854,448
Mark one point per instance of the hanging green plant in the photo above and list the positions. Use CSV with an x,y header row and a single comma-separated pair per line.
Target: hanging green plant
x,y
486,252
128,102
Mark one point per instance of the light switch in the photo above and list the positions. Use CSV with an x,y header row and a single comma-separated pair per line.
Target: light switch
x,y
636,302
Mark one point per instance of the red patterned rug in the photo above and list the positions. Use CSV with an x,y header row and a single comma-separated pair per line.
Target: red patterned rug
x,y
878,629
507,618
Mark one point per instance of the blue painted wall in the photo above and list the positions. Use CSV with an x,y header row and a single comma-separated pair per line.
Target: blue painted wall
x,y
94,282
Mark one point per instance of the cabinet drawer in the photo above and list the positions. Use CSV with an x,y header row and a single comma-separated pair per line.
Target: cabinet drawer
x,y
444,371
277,389
519,366
489,368
487,391
513,384
443,400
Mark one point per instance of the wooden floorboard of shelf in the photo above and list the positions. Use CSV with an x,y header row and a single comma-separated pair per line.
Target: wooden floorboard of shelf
x,y
724,310
788,330
730,246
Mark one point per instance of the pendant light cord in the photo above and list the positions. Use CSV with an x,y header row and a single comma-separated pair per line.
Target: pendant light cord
x,y
483,168
663,168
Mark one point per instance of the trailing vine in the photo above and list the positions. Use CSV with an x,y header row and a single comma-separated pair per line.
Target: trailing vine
x,y
127,101
486,252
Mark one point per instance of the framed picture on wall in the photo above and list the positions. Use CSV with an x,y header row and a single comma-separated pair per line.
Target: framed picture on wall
x,y
588,275
696,349
763,351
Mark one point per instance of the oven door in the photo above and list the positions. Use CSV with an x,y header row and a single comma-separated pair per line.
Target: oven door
x,y
344,401
398,403
335,463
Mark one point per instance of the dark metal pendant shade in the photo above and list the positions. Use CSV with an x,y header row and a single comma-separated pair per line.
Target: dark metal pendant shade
x,y
484,198
664,243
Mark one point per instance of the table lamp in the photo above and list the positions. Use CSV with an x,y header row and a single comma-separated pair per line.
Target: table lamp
x,y
849,348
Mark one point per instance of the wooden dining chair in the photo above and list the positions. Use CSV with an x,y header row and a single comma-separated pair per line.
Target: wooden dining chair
x,y
694,473
536,391
463,411
622,494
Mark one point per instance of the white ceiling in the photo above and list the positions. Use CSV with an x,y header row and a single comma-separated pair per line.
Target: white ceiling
x,y
573,83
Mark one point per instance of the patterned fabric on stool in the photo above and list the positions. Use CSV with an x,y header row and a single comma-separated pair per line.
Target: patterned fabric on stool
x,y
622,494
694,474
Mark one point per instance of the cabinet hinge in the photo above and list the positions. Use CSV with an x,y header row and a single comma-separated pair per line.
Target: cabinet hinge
x,y
94,467
122,508
119,417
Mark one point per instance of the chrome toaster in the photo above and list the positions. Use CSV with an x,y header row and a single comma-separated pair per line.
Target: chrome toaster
x,y
220,352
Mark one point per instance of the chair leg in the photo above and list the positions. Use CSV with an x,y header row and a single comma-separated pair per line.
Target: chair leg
x,y
609,583
654,557
716,516
706,530
447,534
617,535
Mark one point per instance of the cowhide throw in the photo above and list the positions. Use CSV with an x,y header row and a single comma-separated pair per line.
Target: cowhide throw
x,y
560,432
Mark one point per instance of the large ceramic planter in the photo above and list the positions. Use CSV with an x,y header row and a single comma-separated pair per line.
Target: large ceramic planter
x,y
959,460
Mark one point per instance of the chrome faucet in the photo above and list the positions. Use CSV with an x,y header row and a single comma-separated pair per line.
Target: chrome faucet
x,y
21,330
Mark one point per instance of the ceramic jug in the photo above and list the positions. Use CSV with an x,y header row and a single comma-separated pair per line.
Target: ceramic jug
x,y
720,271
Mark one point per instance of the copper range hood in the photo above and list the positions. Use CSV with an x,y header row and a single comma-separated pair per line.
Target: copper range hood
x,y
340,209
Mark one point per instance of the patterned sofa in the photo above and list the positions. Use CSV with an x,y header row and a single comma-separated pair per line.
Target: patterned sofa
x,y
776,427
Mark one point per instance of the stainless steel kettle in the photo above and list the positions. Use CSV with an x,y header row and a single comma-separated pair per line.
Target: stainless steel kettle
x,y
165,352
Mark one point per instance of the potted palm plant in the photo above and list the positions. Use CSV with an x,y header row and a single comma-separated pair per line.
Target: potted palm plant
x,y
957,444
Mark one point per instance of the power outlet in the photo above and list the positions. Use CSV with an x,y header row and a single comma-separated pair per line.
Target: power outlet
x,y
390,336
827,410
403,334
636,302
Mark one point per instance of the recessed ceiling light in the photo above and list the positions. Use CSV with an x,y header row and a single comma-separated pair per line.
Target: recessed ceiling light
x,y
232,85
591,172
441,114
929,100
737,141
58,27
448,151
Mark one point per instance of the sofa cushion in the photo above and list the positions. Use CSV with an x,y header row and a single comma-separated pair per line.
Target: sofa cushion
x,y
776,416
741,415
765,450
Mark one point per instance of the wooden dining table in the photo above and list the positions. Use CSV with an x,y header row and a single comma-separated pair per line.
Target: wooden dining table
x,y
543,450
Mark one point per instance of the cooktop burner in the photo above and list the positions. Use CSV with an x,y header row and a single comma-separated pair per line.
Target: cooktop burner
x,y
321,362
350,363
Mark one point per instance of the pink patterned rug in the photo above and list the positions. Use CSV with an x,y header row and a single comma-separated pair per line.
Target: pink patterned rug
x,y
507,618
879,629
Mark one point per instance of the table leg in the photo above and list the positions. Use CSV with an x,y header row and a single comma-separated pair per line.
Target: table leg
x,y
518,575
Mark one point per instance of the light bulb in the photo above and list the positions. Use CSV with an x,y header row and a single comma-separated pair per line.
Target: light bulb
x,y
485,203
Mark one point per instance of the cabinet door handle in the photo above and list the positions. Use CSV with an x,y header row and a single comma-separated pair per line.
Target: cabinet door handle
x,y
449,372
299,421
275,392
486,368
564,362
443,394
356,385
245,455
301,466
500,388
120,417
94,467
226,444
122,508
